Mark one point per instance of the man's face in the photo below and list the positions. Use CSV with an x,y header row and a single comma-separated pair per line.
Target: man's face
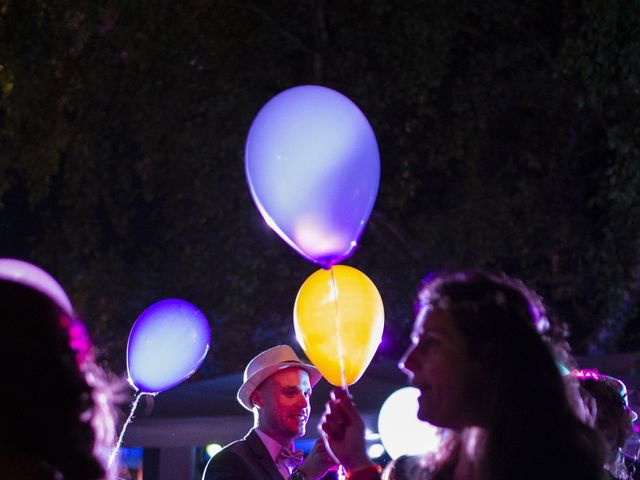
x,y
283,404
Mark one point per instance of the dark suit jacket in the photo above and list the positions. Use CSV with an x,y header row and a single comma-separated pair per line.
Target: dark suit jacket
x,y
246,459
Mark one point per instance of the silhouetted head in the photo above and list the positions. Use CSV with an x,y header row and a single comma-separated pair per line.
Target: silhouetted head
x,y
56,407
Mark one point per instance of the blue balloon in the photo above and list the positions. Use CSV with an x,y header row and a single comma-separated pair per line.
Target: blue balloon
x,y
167,343
313,168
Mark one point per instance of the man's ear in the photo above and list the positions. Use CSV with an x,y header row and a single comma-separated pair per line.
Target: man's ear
x,y
256,398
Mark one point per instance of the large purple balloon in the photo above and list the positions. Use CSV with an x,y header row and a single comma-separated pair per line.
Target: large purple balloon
x,y
313,168
168,342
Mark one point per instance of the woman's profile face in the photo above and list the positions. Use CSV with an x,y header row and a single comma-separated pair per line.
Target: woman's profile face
x,y
438,364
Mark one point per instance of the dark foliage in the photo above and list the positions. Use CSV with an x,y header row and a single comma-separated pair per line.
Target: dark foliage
x,y
508,131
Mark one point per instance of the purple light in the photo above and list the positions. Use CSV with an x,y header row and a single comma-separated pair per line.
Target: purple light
x,y
167,344
313,168
79,339
32,276
586,373
384,343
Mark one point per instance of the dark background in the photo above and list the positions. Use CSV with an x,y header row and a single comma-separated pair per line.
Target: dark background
x,y
508,132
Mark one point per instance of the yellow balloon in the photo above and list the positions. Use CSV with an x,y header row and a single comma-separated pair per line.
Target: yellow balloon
x,y
338,318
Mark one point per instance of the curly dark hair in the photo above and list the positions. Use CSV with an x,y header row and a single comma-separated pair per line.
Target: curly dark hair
x,y
57,410
530,424
605,397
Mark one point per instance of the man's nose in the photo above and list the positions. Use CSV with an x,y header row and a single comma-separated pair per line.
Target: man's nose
x,y
303,400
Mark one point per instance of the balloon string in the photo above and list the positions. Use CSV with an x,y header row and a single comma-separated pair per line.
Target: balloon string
x,y
124,427
342,472
343,376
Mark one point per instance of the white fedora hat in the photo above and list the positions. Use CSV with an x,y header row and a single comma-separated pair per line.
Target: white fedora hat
x,y
265,364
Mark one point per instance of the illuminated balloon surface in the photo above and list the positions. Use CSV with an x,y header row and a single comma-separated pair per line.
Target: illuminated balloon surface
x,y
400,430
35,277
338,319
168,342
313,168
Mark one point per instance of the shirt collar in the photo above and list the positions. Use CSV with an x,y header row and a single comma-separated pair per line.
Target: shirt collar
x,y
273,447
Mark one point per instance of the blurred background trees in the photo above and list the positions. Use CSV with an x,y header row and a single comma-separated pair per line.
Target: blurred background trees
x,y
508,132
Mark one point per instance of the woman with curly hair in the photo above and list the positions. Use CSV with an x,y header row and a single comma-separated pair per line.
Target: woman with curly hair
x,y
57,418
607,401
485,358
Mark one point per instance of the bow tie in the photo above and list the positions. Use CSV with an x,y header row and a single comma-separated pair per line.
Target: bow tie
x,y
290,459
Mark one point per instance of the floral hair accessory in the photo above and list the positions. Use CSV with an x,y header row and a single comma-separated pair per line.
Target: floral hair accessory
x,y
593,374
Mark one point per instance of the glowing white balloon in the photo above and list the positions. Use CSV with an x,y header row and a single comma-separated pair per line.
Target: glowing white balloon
x,y
400,430
376,450
26,273
212,449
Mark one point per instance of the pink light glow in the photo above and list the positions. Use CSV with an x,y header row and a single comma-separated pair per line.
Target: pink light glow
x,y
79,339
586,373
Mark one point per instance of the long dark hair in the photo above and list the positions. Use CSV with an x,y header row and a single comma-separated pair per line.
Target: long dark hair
x,y
530,424
57,412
